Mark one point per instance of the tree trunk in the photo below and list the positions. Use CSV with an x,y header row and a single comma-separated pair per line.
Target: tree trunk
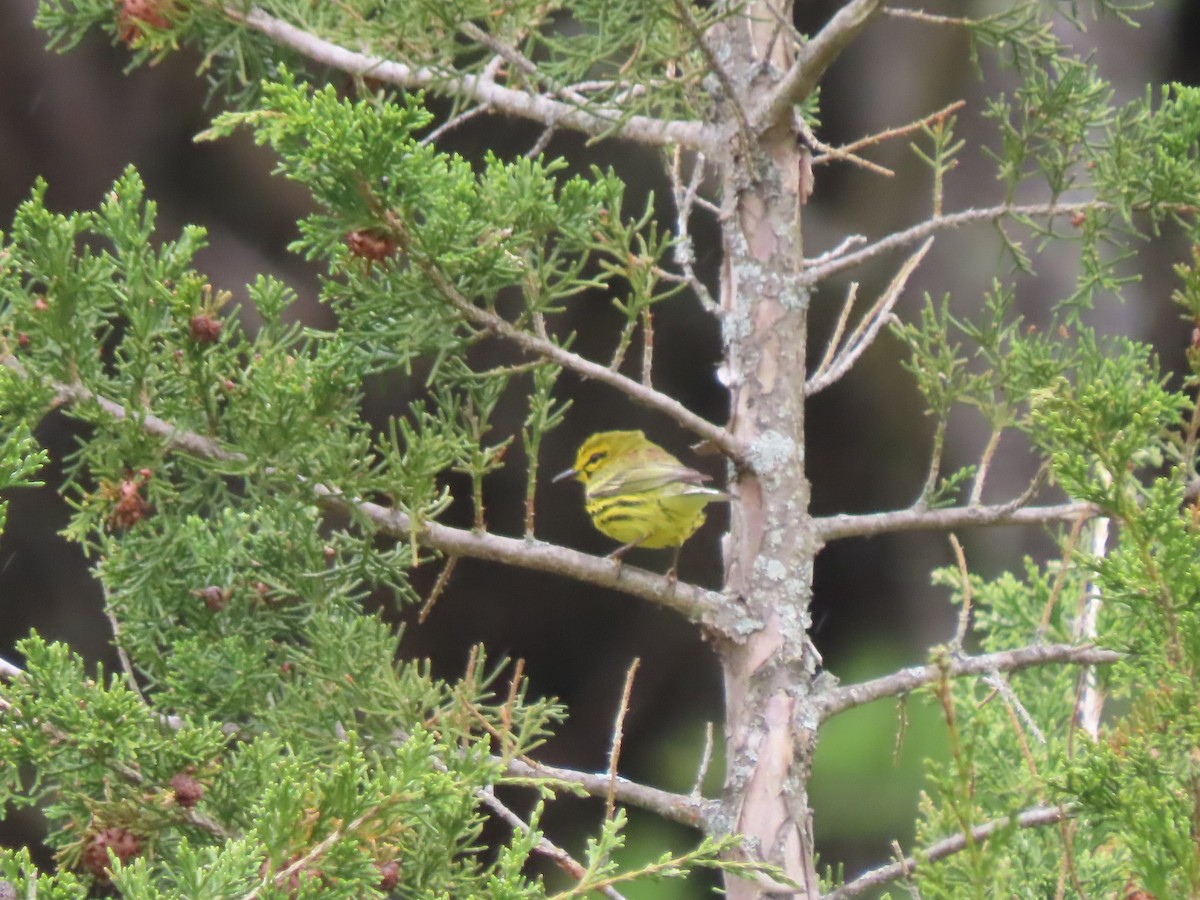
x,y
770,723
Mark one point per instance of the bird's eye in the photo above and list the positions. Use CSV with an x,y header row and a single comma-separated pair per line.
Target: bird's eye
x,y
596,457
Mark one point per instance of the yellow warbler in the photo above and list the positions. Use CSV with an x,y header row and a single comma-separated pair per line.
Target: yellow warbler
x,y
638,493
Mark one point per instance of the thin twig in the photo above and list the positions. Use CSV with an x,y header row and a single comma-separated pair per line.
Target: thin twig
x,y
784,22
614,752
908,680
1019,714
920,15
596,121
692,811
542,142
1091,699
439,586
814,273
831,528
1030,818
487,796
519,60
126,664
684,249
1060,578
868,327
964,615
453,122
705,761
839,329
985,465
647,348
281,877
837,153
828,152
551,351
848,243
489,77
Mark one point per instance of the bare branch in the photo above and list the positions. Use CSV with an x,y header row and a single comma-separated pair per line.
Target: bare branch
x,y
964,614
920,15
985,465
839,329
705,607
585,368
814,59
1090,704
867,329
685,199
908,680
618,737
848,243
815,272
830,528
9,671
705,760
439,586
1030,818
126,663
453,122
847,151
826,153
693,811
519,60
595,121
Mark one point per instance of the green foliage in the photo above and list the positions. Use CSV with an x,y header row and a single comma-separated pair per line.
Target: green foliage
x,y
266,739
1111,429
20,456
200,491
1105,420
20,873
606,47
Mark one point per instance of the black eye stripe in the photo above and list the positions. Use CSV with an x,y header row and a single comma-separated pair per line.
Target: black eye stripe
x,y
596,457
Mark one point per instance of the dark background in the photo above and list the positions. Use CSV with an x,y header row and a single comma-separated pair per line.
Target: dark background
x,y
77,120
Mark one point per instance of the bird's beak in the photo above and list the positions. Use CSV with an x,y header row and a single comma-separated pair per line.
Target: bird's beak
x,y
570,473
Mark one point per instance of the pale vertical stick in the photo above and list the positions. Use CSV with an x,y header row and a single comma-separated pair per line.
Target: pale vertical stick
x,y
1091,699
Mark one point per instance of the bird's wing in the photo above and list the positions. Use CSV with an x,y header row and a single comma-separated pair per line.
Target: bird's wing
x,y
649,477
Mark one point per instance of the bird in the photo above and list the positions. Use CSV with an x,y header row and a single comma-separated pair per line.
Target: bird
x,y
637,493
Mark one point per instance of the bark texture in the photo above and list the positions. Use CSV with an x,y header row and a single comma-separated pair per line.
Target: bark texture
x,y
771,719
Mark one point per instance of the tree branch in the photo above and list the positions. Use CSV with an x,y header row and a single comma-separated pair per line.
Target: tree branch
x,y
530,343
831,528
868,328
8,670
1030,818
694,812
908,680
641,129
707,608
814,58
816,272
